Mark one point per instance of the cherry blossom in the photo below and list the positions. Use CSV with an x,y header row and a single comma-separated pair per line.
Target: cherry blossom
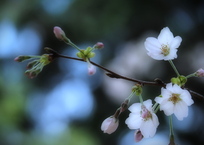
x,y
174,100
164,47
143,118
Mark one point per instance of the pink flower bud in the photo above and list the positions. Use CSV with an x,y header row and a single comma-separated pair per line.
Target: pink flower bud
x,y
99,45
110,125
138,136
22,58
200,73
91,69
31,74
59,33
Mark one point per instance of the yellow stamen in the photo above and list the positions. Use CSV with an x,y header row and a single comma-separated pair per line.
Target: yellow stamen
x,y
175,98
165,50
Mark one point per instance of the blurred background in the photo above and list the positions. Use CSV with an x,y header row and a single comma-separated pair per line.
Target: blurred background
x,y
66,106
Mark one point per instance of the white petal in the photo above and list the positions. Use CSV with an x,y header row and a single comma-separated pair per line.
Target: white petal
x,y
159,99
181,110
166,94
167,107
133,121
186,97
165,36
176,89
155,119
148,104
148,129
152,43
173,53
170,57
135,108
153,47
175,43
156,56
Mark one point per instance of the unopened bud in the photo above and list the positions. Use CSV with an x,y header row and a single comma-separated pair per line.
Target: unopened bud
x,y
200,73
98,45
138,136
110,125
22,58
59,34
31,64
124,105
91,69
31,74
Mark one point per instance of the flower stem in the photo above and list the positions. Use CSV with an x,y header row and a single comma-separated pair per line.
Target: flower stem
x,y
156,107
171,137
130,96
191,75
72,44
174,67
141,99
171,126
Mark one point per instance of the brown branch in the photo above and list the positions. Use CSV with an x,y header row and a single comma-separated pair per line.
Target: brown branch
x,y
157,82
115,75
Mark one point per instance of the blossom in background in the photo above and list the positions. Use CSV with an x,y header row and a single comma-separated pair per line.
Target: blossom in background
x,y
174,100
143,118
164,47
110,125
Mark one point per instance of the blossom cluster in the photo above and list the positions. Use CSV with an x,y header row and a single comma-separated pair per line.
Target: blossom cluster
x,y
174,98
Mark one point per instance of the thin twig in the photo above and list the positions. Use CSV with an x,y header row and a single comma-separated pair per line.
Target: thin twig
x,y
115,75
157,82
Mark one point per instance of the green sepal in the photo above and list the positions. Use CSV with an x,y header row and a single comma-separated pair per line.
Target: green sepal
x,y
81,54
91,54
180,80
137,89
88,50
45,59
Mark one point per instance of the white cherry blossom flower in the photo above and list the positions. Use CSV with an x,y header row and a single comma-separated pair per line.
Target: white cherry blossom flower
x,y
164,47
143,118
174,100
110,125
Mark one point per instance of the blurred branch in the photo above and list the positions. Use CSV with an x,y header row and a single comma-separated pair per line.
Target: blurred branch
x,y
111,74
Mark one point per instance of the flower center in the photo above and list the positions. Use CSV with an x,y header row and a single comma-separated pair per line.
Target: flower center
x,y
165,50
175,98
145,114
